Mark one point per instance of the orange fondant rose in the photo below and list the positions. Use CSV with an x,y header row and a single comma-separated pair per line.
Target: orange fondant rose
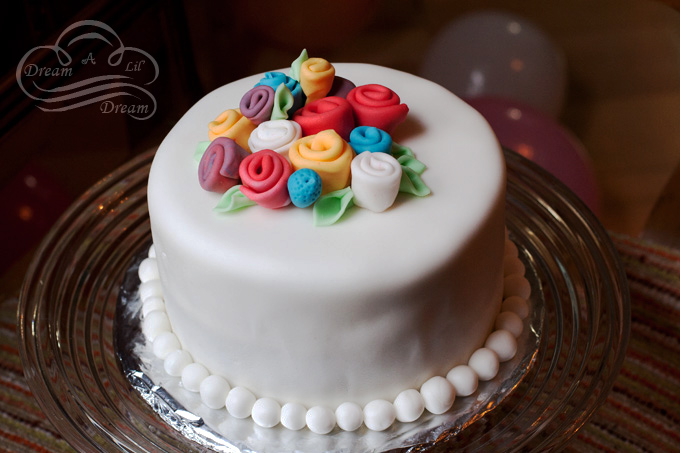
x,y
232,124
316,78
327,154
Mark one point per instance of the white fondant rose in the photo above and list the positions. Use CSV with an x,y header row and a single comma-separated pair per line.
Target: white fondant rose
x,y
375,180
276,135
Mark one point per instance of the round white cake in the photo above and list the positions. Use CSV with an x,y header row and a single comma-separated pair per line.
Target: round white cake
x,y
357,311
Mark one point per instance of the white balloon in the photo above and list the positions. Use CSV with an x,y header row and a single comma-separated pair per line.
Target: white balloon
x,y
492,53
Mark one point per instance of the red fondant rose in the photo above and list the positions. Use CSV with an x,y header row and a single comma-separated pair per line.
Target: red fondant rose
x,y
331,112
219,166
377,106
264,176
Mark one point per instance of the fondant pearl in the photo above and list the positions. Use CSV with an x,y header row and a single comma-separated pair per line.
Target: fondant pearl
x,y
516,285
507,320
148,270
293,416
266,412
379,415
193,375
513,265
154,324
164,344
485,363
502,343
516,305
464,380
320,420
176,361
214,390
240,402
438,394
349,416
152,251
510,249
409,405
150,288
153,304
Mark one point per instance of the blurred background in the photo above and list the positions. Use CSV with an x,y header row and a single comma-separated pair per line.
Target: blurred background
x,y
588,89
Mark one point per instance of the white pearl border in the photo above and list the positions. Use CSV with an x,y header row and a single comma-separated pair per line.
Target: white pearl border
x,y
436,395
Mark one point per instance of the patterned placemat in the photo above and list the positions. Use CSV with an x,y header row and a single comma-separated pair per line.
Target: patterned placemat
x,y
642,413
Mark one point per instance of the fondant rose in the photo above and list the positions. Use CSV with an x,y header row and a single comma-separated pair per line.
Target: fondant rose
x,y
375,180
257,104
218,169
327,154
277,135
341,87
377,106
326,113
231,124
264,176
372,139
316,78
274,79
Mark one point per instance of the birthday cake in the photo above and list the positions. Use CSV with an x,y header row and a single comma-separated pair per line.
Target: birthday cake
x,y
329,249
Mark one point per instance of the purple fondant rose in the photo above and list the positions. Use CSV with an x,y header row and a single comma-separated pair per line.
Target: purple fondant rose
x,y
257,104
341,87
218,169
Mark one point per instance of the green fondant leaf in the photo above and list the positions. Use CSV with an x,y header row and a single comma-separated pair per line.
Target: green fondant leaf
x,y
398,151
329,208
406,158
283,101
412,183
200,150
412,163
295,66
233,200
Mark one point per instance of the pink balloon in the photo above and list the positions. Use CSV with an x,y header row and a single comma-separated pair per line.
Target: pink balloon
x,y
544,141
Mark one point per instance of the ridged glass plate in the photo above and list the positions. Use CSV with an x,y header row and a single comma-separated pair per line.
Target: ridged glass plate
x,y
67,321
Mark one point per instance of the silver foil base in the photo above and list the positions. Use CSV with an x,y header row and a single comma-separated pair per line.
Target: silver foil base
x,y
218,431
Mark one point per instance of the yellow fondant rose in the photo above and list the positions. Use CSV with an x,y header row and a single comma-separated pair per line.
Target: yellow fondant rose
x,y
316,78
327,154
232,124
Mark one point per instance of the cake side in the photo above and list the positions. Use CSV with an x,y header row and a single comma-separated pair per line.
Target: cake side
x,y
354,312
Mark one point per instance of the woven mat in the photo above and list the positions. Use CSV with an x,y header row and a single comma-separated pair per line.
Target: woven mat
x,y
642,412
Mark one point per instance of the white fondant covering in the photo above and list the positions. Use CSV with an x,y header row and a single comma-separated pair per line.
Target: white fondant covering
x,y
436,395
357,311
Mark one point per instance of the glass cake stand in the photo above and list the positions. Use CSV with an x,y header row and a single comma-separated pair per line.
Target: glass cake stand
x,y
67,319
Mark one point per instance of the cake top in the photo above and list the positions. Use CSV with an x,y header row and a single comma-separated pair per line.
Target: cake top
x,y
466,175
310,138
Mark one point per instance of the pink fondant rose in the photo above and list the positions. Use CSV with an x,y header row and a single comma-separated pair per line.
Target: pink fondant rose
x,y
257,104
326,113
218,170
377,106
264,176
